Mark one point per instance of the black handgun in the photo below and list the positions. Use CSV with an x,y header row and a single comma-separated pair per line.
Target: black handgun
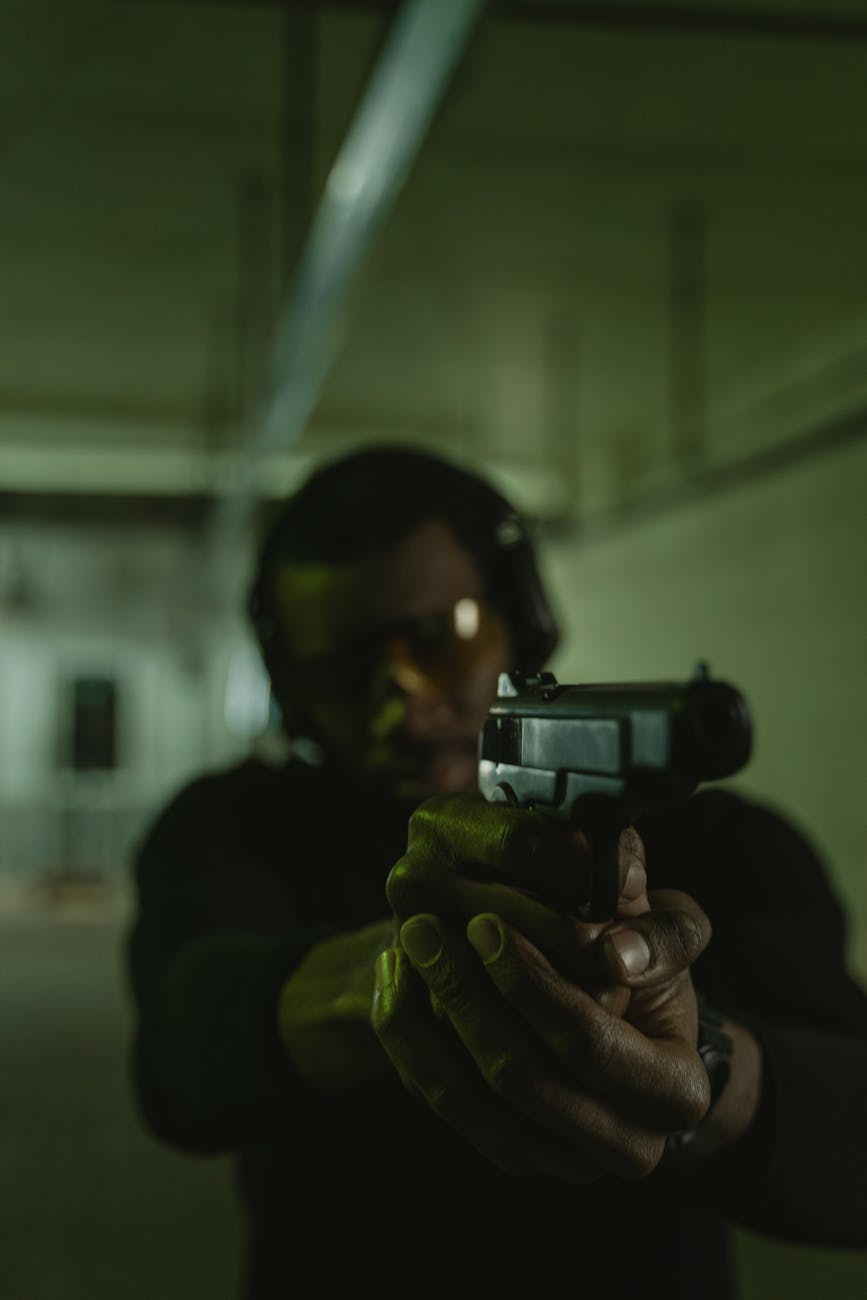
x,y
600,756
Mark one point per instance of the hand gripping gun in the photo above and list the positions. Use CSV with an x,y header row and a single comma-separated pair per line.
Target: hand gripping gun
x,y
598,757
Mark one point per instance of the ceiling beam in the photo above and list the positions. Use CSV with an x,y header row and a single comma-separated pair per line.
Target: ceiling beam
x,y
679,19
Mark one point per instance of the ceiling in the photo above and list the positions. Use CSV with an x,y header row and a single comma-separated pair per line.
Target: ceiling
x,y
622,240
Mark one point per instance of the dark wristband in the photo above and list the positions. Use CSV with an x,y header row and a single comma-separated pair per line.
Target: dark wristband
x,y
715,1049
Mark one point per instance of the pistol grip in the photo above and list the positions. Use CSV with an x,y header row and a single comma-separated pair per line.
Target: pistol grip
x,y
605,848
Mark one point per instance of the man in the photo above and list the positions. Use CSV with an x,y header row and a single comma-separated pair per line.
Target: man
x,y
435,1077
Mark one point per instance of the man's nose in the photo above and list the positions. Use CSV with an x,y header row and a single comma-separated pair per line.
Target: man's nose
x,y
425,698
400,669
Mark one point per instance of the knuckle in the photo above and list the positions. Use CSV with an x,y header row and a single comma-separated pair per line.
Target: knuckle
x,y
448,988
679,943
632,847
515,979
693,935
687,1101
694,1100
424,823
404,883
641,1159
688,926
599,1044
679,939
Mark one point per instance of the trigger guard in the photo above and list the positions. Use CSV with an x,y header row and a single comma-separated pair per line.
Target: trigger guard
x,y
503,793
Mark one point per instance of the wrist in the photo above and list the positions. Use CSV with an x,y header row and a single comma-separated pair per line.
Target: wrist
x,y
733,1060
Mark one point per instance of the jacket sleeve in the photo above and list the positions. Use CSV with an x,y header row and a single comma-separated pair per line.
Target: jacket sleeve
x,y
776,963
212,942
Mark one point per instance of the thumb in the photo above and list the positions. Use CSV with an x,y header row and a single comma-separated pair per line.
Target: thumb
x,y
654,948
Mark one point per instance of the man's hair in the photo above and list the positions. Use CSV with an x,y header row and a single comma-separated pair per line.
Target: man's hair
x,y
370,500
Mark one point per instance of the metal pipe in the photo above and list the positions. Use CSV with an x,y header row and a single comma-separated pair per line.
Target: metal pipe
x,y
423,48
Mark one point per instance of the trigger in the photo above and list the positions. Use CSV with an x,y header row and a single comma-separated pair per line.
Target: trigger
x,y
503,793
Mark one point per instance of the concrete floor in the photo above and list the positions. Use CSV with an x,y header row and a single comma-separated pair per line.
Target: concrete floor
x,y
90,1206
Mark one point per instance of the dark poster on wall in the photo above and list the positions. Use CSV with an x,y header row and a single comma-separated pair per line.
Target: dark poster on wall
x,y
94,724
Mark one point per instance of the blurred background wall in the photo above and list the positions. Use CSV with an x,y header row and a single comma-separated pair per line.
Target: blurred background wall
x,y
626,278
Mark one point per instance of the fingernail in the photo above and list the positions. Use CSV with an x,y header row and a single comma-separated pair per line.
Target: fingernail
x,y
486,936
632,951
421,941
635,882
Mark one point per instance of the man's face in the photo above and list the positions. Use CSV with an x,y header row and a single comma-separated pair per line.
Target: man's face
x,y
394,660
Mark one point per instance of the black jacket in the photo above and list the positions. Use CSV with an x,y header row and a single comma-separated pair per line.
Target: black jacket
x,y
246,869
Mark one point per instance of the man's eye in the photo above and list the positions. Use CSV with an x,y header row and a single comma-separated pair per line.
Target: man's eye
x,y
346,670
429,632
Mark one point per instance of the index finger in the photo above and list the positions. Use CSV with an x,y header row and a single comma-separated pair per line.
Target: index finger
x,y
545,856
527,848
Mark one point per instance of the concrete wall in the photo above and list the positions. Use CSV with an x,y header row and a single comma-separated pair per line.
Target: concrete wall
x,y
766,582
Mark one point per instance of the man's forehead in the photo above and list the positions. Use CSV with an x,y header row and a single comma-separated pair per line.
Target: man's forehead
x,y
428,570
319,603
